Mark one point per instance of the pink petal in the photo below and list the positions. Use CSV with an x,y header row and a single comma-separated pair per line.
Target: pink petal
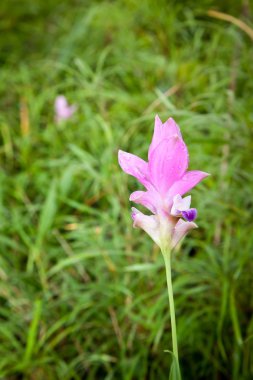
x,y
134,166
149,199
60,103
62,109
180,230
187,182
163,131
72,109
148,223
168,162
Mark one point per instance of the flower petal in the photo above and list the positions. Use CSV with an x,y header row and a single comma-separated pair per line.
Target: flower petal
x,y
134,166
148,223
168,162
72,109
180,204
190,214
62,109
180,230
187,182
149,199
60,103
163,131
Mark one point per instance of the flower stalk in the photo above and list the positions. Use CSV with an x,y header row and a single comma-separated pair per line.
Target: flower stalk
x,y
167,260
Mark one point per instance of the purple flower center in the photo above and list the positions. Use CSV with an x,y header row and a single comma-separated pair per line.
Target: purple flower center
x,y
190,214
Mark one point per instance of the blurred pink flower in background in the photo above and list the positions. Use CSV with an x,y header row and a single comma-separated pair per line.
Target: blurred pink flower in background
x,y
166,179
63,110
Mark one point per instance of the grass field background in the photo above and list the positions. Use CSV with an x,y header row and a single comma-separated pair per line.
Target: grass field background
x,y
82,293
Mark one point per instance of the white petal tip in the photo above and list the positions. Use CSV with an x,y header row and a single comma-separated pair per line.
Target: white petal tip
x,y
205,175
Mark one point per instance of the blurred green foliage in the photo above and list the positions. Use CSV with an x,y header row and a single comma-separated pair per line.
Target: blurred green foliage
x,y
83,294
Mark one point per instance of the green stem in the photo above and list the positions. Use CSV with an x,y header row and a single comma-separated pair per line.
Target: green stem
x,y
167,260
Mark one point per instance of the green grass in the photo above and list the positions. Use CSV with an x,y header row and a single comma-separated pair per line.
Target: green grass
x,y
83,294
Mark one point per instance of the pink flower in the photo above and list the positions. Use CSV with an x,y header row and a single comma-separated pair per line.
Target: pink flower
x,y
166,179
63,110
